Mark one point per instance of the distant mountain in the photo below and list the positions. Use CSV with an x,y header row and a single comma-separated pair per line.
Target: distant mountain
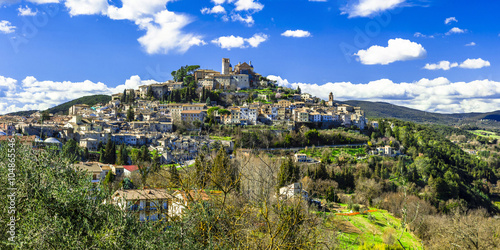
x,y
90,100
387,110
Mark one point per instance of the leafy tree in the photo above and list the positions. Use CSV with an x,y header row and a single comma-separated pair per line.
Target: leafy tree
x,y
124,96
127,184
331,195
72,151
288,173
131,96
174,176
45,115
208,101
225,176
130,114
122,155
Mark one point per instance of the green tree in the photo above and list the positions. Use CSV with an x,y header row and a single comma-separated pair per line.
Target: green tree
x,y
124,96
131,96
145,155
208,101
130,114
225,176
72,151
122,155
174,176
288,173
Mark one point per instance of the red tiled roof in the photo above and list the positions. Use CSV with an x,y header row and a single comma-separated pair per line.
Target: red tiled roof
x,y
131,168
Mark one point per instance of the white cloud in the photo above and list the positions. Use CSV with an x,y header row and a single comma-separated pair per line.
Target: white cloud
x,y
467,64
296,33
455,30
230,42
248,20
26,11
86,7
471,44
434,95
474,64
444,65
366,8
450,19
164,28
248,5
256,40
217,9
418,34
397,50
31,93
6,27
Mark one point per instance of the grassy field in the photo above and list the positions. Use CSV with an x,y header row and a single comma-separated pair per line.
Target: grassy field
x,y
371,229
221,138
485,133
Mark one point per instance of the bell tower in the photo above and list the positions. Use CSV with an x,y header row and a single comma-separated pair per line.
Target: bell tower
x,y
225,66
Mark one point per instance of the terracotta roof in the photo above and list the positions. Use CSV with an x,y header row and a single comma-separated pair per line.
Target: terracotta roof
x,y
131,168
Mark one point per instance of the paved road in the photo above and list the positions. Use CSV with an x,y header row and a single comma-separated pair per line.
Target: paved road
x,y
325,146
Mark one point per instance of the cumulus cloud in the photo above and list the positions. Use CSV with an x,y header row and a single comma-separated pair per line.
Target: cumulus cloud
x,y
86,7
434,95
217,9
230,42
397,50
455,30
474,64
248,19
450,20
31,93
6,27
26,11
366,8
296,33
238,10
467,64
444,65
471,44
164,29
248,5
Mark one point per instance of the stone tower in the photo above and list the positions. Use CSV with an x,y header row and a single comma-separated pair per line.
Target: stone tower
x,y
330,99
225,66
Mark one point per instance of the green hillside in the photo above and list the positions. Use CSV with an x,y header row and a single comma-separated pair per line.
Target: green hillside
x,y
387,110
89,100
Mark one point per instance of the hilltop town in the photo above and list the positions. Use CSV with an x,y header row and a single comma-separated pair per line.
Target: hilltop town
x,y
194,100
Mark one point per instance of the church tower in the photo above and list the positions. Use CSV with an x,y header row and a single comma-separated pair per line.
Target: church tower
x,y
330,99
225,66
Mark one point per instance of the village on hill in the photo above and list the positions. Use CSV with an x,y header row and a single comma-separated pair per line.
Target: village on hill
x,y
236,96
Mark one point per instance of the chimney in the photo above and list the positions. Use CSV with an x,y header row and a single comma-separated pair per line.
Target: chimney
x,y
250,62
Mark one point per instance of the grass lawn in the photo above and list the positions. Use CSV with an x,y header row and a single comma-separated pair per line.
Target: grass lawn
x,y
360,229
221,138
485,133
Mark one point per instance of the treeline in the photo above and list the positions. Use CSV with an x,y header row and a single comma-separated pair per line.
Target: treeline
x,y
439,164
301,138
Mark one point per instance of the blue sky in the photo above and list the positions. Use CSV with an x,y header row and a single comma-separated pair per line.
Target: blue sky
x,y
432,55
